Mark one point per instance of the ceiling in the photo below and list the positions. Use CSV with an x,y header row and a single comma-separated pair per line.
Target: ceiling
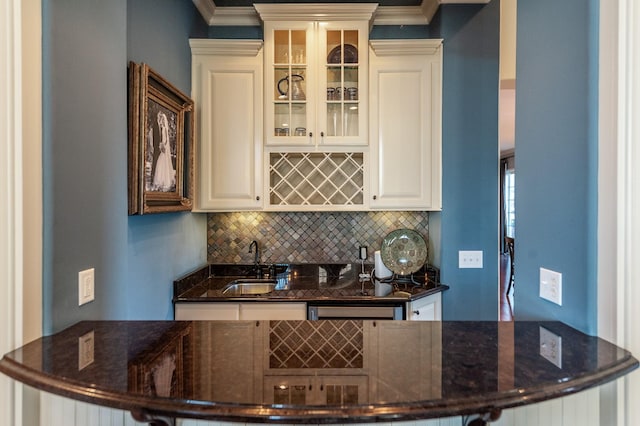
x,y
389,12
245,3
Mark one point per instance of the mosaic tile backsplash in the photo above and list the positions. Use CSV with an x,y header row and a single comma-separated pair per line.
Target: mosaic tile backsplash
x,y
313,237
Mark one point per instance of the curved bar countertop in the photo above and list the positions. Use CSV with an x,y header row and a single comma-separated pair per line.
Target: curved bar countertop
x,y
342,371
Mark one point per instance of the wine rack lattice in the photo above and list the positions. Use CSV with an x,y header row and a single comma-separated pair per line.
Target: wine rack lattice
x,y
316,344
316,178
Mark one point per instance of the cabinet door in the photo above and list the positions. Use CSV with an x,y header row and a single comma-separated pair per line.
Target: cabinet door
x,y
405,128
290,75
316,83
227,90
343,83
273,311
428,308
207,311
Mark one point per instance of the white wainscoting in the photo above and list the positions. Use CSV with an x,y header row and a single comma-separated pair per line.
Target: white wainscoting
x,y
579,409
451,421
58,411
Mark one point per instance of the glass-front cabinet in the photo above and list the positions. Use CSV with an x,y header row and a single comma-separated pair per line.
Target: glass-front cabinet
x,y
316,105
289,91
343,109
315,76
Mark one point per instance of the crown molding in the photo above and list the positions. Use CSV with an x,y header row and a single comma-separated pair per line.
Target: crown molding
x,y
227,47
382,15
316,11
207,9
239,16
405,47
400,15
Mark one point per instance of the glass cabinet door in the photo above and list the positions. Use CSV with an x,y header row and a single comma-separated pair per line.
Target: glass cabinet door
x,y
316,83
342,110
289,87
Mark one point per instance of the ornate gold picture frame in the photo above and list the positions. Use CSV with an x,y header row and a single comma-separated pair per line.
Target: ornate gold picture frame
x,y
161,129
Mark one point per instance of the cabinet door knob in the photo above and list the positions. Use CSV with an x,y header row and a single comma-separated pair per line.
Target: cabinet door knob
x,y
258,198
375,197
416,312
310,134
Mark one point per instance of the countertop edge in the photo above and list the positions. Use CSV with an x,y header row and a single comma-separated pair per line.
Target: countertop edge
x,y
292,299
264,413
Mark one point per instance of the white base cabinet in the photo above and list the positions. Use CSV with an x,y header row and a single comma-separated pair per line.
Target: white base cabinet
x,y
428,308
211,311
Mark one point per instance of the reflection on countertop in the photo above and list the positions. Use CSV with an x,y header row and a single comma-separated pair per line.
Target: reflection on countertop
x,y
317,371
301,282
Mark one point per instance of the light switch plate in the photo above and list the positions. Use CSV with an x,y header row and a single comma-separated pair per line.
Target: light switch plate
x,y
86,286
551,286
85,350
470,259
551,347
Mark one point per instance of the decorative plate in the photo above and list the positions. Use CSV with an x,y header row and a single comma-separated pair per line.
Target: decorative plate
x,y
403,251
350,54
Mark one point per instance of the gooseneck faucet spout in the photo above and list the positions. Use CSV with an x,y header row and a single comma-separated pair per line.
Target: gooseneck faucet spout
x,y
256,258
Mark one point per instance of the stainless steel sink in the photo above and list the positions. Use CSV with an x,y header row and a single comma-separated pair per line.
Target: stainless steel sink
x,y
249,286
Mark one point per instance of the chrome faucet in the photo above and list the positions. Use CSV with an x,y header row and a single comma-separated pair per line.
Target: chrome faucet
x,y
256,258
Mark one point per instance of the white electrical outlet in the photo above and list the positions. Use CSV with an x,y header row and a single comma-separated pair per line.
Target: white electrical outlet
x,y
85,349
551,347
85,286
470,259
551,286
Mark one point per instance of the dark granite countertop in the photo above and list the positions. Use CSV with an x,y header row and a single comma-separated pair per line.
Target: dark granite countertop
x,y
342,371
299,282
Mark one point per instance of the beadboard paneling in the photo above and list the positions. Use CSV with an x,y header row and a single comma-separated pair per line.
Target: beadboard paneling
x,y
579,409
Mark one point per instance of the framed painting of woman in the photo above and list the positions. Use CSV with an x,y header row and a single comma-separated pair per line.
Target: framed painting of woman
x,y
160,144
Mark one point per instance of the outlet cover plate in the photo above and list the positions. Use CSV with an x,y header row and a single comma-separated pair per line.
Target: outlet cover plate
x,y
85,350
470,259
86,286
551,347
551,286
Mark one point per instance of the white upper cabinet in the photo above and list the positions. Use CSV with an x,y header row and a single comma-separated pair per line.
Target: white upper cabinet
x,y
227,89
405,124
320,118
316,74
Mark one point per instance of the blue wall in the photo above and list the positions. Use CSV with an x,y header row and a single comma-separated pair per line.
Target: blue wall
x,y
85,56
87,44
470,159
556,158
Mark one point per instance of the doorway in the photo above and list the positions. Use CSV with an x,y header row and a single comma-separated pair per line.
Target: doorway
x,y
507,170
507,235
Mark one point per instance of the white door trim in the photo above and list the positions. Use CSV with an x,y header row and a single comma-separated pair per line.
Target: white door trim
x,y
11,205
20,195
628,206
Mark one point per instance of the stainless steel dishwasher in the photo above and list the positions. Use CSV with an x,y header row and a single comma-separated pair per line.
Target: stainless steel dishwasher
x,y
355,311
